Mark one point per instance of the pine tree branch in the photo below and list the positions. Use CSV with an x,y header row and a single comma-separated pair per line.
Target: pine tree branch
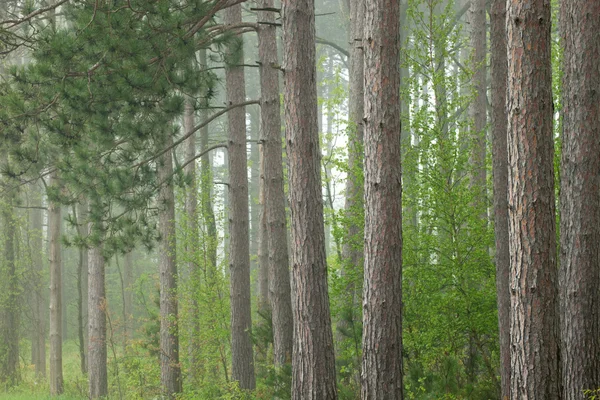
x,y
19,21
339,48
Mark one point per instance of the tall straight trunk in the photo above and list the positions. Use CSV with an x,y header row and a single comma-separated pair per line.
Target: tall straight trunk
x,y
352,251
208,214
382,293
40,307
128,328
255,185
500,174
478,108
274,196
170,369
313,360
193,239
97,307
263,246
82,285
580,199
242,369
532,232
10,307
54,222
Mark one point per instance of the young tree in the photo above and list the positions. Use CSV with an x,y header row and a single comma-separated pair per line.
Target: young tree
x,y
170,370
82,284
313,360
532,232
500,173
54,221
239,246
580,199
382,294
40,308
274,196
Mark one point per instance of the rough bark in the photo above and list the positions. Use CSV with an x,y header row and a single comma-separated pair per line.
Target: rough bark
x,y
313,362
193,239
170,369
274,196
382,294
263,247
82,286
10,372
478,108
352,251
500,178
97,307
40,309
580,199
242,369
54,222
532,232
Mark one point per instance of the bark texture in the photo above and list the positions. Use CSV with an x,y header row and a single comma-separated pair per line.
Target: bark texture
x,y
170,369
381,376
478,108
82,285
534,294
580,199
352,253
97,355
313,362
274,196
500,178
40,309
54,221
242,369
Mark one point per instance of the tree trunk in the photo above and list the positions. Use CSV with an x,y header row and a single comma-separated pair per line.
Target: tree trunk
x,y
54,222
40,308
382,293
532,231
128,328
478,108
97,306
242,369
82,285
170,370
10,304
580,199
313,360
263,246
274,196
193,236
500,173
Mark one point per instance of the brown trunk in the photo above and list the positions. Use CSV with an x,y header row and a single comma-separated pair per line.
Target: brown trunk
x,y
193,240
82,285
500,173
532,231
313,360
242,368
580,199
38,342
382,293
54,222
127,298
97,307
10,305
263,247
478,108
274,196
170,370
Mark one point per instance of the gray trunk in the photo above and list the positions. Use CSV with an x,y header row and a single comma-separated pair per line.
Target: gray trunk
x,y
97,370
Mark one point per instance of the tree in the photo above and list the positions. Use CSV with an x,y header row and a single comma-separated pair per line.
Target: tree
x,y
97,308
82,283
313,360
170,370
580,199
274,196
500,177
239,246
382,294
54,221
532,232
